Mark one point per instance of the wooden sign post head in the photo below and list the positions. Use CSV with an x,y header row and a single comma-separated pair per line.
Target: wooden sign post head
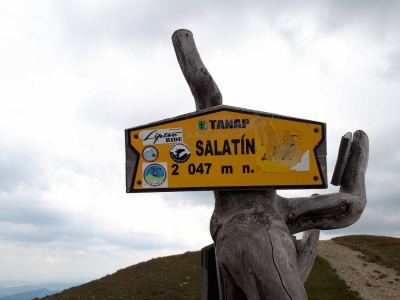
x,y
244,156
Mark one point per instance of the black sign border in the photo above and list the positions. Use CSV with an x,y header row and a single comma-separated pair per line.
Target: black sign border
x,y
215,109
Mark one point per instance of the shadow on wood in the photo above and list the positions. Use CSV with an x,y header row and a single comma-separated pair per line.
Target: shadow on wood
x,y
209,281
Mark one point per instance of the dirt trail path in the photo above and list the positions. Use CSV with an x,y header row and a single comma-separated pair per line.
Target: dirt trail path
x,y
372,281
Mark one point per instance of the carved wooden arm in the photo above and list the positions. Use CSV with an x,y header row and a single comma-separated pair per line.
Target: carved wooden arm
x,y
338,210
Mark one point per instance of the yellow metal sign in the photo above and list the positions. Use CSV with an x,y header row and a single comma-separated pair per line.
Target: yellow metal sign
x,y
224,148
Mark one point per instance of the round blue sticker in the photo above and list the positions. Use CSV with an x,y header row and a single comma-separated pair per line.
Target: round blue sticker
x,y
150,153
154,175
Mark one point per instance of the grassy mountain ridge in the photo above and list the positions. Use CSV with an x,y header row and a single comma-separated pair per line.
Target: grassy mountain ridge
x,y
171,277
179,277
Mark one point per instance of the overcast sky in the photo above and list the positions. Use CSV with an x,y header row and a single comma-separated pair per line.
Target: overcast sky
x,y
75,74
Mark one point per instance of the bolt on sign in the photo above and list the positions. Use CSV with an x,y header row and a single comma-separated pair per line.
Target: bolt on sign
x,y
228,148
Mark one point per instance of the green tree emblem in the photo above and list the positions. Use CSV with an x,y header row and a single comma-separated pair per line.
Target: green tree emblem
x,y
202,125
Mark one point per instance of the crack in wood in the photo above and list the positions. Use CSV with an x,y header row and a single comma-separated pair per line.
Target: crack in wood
x,y
276,268
336,213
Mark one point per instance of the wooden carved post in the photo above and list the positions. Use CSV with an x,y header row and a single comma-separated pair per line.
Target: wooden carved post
x,y
252,230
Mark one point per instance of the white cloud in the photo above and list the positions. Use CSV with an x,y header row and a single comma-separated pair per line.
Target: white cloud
x,y
75,74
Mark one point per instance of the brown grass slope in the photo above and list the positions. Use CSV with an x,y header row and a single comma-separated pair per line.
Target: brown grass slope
x,y
382,250
179,276
172,277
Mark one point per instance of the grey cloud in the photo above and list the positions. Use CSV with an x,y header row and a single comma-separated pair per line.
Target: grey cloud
x,y
29,211
21,166
371,223
28,220
373,18
81,236
122,113
383,197
122,22
25,233
142,26
374,14
141,241
393,70
384,145
142,30
139,23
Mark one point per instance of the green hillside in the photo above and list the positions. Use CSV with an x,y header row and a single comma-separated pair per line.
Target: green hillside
x,y
171,277
179,276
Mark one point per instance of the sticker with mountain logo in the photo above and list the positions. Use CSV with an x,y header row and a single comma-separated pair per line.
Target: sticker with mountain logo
x,y
155,175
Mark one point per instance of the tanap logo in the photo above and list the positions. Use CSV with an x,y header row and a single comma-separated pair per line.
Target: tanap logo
x,y
202,125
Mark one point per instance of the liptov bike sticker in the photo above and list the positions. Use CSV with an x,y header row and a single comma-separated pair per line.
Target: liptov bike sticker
x,y
161,136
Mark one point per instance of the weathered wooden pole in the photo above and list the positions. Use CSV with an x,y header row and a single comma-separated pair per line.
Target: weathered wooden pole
x,y
252,230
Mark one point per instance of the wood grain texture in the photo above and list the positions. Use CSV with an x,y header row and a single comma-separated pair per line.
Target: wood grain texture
x,y
343,155
255,252
336,210
322,162
321,154
307,252
252,230
130,164
201,84
322,149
